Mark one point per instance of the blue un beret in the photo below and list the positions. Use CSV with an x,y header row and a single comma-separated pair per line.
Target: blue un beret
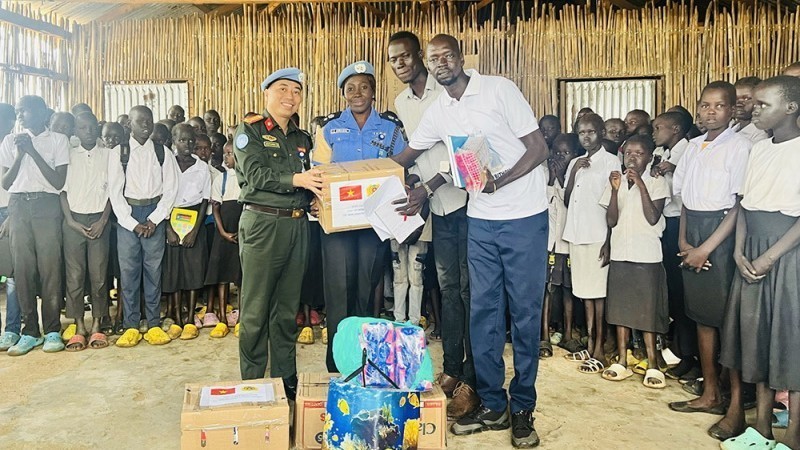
x,y
289,73
357,68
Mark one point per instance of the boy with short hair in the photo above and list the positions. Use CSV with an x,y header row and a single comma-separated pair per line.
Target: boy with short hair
x,y
161,135
551,128
34,167
744,109
84,202
615,130
142,188
177,114
634,119
199,125
708,177
64,123
212,120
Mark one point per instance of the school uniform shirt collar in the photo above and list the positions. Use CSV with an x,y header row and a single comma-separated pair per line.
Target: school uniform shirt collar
x,y
431,87
473,87
724,136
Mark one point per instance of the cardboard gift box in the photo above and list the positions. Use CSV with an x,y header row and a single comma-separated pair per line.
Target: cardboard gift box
x,y
252,414
312,396
309,410
346,186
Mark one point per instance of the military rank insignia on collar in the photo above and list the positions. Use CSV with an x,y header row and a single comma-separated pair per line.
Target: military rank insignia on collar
x,y
269,123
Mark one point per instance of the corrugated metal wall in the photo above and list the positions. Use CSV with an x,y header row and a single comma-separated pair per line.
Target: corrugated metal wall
x,y
121,97
608,98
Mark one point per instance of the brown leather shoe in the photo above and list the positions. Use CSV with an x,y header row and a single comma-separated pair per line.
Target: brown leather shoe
x,y
464,401
447,383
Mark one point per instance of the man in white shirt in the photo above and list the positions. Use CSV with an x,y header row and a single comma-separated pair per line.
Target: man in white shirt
x,y
142,190
448,205
507,237
34,167
10,336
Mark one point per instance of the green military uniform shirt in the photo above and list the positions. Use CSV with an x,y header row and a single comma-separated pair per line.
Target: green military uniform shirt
x,y
266,161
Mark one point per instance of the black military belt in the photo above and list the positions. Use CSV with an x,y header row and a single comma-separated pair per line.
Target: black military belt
x,y
280,212
143,201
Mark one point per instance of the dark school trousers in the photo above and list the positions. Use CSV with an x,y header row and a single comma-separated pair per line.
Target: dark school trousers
x,y
82,255
36,250
450,244
274,252
353,263
140,258
507,268
684,329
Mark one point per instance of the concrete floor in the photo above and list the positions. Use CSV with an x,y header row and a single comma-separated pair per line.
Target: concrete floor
x,y
131,398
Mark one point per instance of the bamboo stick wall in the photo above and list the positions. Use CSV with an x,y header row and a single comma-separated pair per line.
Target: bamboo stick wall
x,y
225,58
31,62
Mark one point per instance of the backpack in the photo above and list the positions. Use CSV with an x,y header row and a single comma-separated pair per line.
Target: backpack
x,y
125,155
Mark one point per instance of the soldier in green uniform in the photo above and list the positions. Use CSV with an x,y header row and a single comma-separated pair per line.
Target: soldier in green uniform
x,y
273,170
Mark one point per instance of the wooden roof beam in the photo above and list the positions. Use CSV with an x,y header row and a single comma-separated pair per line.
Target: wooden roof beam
x,y
117,12
483,4
198,2
33,24
225,9
627,4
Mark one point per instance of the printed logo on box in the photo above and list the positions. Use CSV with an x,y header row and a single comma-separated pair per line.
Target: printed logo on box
x,y
314,404
427,428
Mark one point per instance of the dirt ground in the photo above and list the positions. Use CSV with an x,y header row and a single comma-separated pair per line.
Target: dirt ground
x,y
131,398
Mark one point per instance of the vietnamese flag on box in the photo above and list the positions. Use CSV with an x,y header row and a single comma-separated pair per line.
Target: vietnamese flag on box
x,y
223,391
350,193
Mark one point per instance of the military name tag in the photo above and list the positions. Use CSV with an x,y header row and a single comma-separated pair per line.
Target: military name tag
x,y
272,144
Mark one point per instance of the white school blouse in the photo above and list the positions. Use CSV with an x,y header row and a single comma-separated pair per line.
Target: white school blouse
x,y
709,177
557,215
633,239
194,185
673,155
772,182
586,219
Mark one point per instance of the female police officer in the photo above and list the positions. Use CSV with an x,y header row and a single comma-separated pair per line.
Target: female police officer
x,y
353,260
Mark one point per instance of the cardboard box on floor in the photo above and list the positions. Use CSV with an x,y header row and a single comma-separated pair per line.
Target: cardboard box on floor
x,y
309,417
346,186
240,425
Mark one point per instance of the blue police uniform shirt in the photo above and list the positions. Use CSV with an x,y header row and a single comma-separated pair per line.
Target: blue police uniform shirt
x,y
379,138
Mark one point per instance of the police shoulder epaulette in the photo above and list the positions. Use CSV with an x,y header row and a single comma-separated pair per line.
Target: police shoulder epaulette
x,y
323,120
388,115
253,119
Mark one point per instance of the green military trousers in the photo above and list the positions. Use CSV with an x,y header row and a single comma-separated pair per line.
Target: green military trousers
x,y
274,253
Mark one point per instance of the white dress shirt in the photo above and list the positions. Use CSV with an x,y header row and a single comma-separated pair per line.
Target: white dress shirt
x,y
557,215
672,155
194,185
232,189
771,183
586,219
633,239
495,108
752,132
87,180
54,149
145,179
708,179
410,108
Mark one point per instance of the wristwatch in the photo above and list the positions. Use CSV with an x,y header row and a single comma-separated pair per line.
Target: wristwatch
x,y
428,189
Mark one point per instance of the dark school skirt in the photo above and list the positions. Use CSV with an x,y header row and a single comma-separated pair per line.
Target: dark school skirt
x,y
558,270
637,296
761,333
706,293
223,264
185,267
